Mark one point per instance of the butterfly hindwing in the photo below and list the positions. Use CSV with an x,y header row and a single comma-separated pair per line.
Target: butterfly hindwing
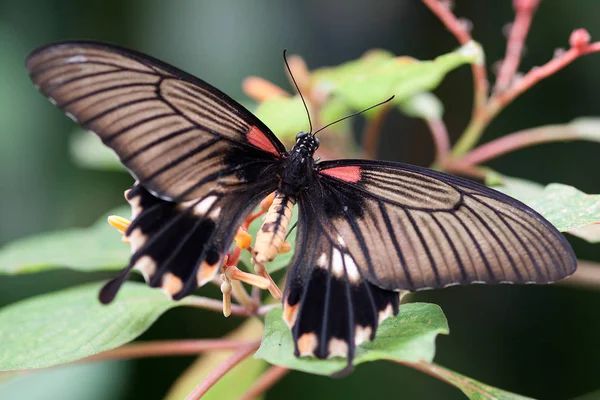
x,y
177,134
328,304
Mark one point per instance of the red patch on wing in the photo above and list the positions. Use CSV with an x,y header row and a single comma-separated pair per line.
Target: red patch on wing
x,y
257,138
346,174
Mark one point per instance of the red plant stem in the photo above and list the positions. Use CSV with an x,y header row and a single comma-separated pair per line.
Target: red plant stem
x,y
216,305
519,140
587,275
166,348
217,373
440,139
501,100
524,10
480,81
265,382
373,131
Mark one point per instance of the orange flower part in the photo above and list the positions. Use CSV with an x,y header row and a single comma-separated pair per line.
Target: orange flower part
x,y
121,224
266,203
285,248
261,89
233,272
242,238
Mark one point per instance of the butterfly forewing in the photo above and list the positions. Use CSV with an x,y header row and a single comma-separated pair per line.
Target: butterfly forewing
x,y
413,228
178,135
201,159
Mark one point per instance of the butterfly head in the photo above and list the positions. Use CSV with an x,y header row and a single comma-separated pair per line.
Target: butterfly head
x,y
306,143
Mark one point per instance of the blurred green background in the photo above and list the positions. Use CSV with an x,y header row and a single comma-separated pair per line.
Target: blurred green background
x,y
537,341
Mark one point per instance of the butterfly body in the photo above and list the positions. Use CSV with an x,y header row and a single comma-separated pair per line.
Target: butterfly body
x,y
366,229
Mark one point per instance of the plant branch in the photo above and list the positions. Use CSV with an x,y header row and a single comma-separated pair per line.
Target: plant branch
x,y
524,138
217,373
440,139
445,375
165,348
373,131
454,25
216,305
587,275
265,382
524,11
580,46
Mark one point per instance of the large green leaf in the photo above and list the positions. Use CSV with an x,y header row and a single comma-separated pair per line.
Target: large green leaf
x,y
401,76
473,389
409,336
98,247
568,209
68,325
282,260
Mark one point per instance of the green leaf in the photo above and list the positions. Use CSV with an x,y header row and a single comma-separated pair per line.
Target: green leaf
x,y
473,389
69,325
282,260
98,247
423,105
236,382
328,78
568,209
285,116
70,382
402,76
409,336
88,151
521,189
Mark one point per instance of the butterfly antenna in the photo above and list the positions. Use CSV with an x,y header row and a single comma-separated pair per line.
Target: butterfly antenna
x,y
297,88
354,114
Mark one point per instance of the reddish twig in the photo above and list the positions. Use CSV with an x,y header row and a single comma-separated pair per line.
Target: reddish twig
x,y
216,305
163,348
587,275
458,29
217,373
265,382
373,131
440,139
580,46
535,75
524,11
519,140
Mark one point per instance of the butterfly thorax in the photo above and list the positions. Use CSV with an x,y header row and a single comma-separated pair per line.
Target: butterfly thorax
x,y
299,166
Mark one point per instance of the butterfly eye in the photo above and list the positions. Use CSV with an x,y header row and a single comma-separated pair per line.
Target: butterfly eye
x,y
300,135
317,143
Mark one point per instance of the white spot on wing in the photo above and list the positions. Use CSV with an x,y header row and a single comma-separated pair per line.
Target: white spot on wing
x,y
337,348
341,241
147,266
200,207
137,239
385,313
351,269
362,334
322,261
74,118
337,264
76,59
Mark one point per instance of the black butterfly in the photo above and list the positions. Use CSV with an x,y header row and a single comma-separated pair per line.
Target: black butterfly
x,y
366,229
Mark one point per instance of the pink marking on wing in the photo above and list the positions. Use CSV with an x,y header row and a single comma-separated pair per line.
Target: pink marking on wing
x,y
257,138
346,174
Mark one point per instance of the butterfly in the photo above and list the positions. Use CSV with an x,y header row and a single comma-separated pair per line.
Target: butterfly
x,y
366,229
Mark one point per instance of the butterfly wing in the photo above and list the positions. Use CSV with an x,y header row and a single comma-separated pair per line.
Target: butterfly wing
x,y
387,226
202,161
178,135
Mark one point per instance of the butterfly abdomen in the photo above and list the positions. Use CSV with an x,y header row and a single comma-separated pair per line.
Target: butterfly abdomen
x,y
271,235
